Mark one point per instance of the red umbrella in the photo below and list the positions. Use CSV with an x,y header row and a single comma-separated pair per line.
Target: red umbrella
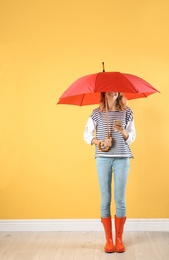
x,y
86,90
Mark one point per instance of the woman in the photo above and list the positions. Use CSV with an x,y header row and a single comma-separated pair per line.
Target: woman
x,y
115,131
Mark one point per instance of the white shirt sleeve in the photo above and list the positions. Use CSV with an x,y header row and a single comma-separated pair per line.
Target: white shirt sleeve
x,y
89,131
130,128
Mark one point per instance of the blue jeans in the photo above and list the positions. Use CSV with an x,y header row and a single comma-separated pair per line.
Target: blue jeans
x,y
105,167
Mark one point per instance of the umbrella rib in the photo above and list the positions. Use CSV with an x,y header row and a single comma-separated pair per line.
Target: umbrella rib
x,y
96,80
144,95
130,83
82,100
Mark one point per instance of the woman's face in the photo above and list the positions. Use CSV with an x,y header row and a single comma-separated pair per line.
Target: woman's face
x,y
112,95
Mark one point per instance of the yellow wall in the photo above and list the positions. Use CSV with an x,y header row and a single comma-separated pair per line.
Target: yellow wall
x,y
46,168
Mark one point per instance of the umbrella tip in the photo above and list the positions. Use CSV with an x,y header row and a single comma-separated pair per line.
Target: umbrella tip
x,y
103,66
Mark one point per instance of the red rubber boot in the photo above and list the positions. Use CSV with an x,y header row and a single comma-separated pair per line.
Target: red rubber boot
x,y
107,224
119,226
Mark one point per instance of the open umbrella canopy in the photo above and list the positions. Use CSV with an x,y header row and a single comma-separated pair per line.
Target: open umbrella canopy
x,y
86,90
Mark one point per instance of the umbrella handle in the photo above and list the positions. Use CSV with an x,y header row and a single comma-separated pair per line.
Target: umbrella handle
x,y
106,149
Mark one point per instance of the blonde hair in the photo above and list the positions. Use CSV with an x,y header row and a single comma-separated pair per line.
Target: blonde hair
x,y
121,101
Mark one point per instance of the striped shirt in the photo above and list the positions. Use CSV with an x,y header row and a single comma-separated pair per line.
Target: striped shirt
x,y
97,123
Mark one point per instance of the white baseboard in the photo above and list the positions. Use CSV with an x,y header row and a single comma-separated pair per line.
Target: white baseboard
x,y
81,225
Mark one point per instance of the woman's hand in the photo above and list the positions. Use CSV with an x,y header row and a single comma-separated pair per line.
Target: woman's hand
x,y
117,126
107,142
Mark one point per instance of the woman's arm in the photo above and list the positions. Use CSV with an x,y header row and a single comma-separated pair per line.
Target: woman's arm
x,y
89,135
89,131
131,131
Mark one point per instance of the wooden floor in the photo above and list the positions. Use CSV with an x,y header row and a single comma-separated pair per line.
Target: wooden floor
x,y
81,245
